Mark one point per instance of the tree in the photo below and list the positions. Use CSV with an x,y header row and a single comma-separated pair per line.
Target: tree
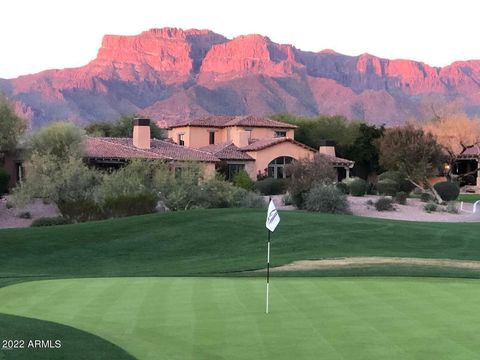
x,y
311,131
60,140
455,133
122,127
56,170
413,152
11,126
306,173
364,150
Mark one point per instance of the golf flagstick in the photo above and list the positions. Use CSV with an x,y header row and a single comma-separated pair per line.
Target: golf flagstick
x,y
272,221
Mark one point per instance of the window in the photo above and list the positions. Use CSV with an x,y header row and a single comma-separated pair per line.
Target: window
x,y
181,139
249,132
211,137
282,133
276,168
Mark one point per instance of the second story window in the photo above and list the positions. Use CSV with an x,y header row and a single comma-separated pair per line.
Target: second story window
x,y
181,139
211,137
280,134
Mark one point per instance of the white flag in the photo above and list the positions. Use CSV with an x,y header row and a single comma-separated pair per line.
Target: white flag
x,y
272,217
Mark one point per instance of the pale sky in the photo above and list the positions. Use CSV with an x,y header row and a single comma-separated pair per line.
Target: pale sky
x,y
37,35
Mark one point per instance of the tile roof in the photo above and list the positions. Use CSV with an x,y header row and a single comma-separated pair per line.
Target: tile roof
x,y
226,121
265,143
471,152
227,151
123,148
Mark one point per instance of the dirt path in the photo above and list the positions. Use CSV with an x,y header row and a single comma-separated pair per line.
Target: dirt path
x,y
305,265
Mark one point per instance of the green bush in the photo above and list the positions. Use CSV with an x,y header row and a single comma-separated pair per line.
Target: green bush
x,y
242,180
25,215
326,199
342,186
358,187
447,190
387,187
249,199
425,197
384,204
452,208
50,221
271,186
4,180
402,183
401,198
430,207
80,210
129,205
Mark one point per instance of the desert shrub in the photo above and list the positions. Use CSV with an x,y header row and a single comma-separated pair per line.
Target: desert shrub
x,y
287,199
271,186
370,202
387,187
80,210
9,205
384,204
401,198
402,183
4,180
216,193
430,207
25,215
306,173
425,197
50,221
242,180
343,187
249,199
326,199
129,205
447,190
452,208
358,187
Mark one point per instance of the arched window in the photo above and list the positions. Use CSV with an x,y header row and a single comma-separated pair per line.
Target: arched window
x,y
276,168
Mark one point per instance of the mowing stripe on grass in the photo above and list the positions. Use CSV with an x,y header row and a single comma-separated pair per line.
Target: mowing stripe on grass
x,y
223,318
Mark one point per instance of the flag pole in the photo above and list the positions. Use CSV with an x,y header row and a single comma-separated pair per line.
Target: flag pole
x,y
268,268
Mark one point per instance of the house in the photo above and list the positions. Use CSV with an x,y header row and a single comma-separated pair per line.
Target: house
x,y
259,145
12,162
103,152
227,144
467,165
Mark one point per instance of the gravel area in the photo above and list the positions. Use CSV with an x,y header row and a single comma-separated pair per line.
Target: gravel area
x,y
412,211
10,218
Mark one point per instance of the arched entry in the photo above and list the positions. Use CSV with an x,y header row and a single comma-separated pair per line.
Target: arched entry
x,y
276,168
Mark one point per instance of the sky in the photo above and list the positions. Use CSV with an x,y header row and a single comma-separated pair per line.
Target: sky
x,y
36,35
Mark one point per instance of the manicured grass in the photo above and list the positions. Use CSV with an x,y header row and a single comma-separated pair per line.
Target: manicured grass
x,y
74,344
220,242
311,318
470,198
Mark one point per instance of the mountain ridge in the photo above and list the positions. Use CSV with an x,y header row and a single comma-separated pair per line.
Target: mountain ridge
x,y
170,74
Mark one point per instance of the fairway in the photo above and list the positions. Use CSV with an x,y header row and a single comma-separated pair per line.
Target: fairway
x,y
223,318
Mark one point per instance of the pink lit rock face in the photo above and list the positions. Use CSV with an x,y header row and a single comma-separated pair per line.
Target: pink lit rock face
x,y
171,75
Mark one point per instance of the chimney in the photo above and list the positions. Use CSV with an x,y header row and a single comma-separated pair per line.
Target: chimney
x,y
242,138
327,147
141,133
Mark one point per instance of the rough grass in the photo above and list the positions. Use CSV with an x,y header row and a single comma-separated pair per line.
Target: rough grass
x,y
311,318
220,242
470,198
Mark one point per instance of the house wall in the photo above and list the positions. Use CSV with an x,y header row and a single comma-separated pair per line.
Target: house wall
x,y
198,137
265,156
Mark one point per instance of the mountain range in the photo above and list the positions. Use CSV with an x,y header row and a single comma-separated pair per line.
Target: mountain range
x,y
171,75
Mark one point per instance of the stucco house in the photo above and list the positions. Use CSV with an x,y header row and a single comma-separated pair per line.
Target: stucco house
x,y
261,146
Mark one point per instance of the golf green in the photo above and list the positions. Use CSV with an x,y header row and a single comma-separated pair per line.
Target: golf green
x,y
223,318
